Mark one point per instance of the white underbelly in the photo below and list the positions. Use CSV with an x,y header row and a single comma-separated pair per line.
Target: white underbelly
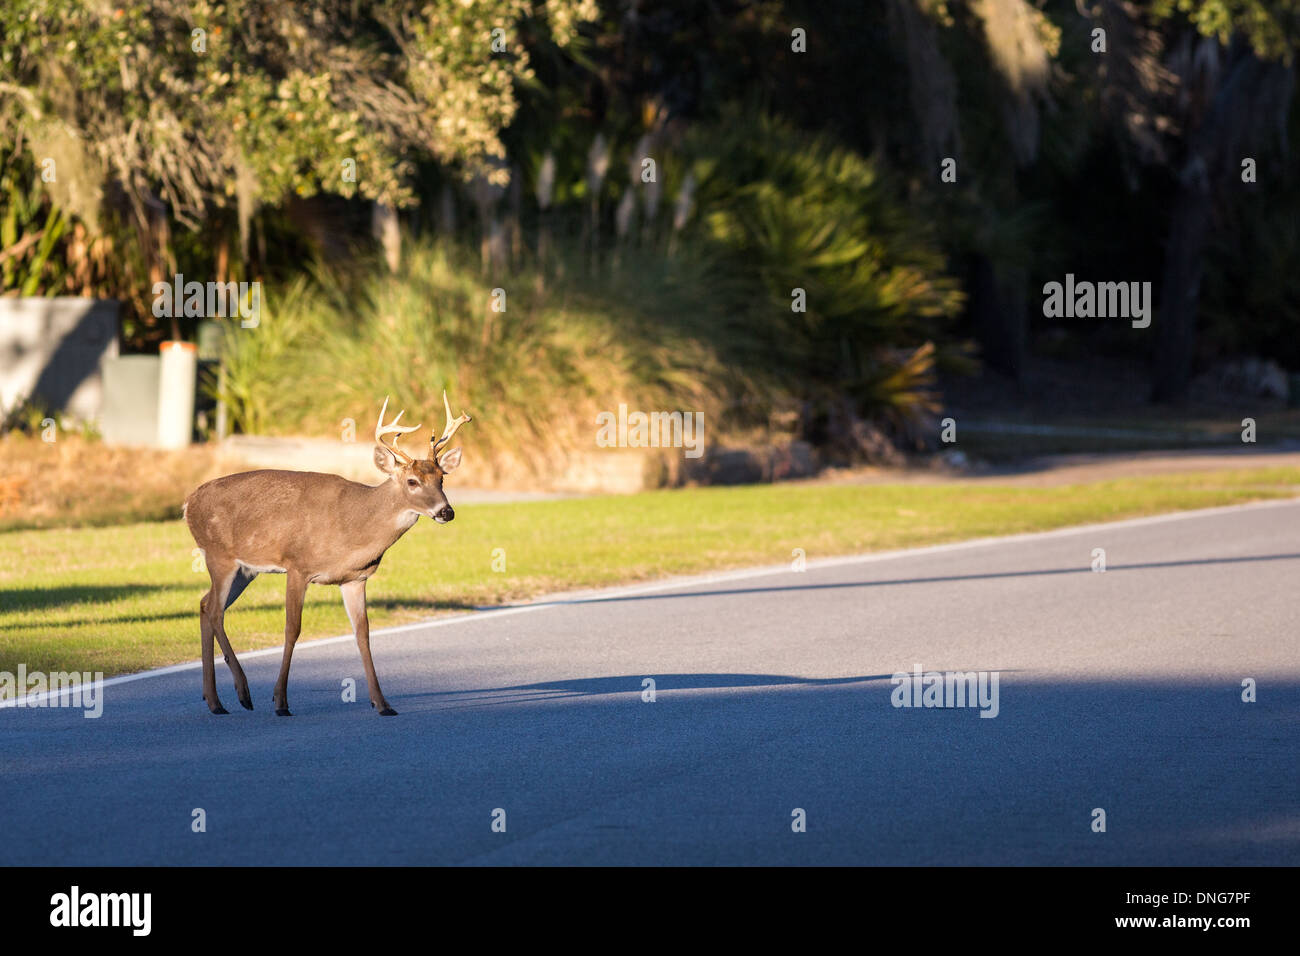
x,y
259,568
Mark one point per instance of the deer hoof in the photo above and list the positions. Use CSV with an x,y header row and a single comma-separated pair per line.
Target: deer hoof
x,y
246,703
388,712
218,710
282,712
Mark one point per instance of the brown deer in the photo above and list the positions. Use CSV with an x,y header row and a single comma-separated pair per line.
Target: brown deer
x,y
316,529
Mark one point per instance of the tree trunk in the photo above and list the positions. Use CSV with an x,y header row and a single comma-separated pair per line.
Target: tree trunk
x,y
999,316
1184,254
1249,97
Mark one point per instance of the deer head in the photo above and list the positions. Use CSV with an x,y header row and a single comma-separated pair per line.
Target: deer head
x,y
420,480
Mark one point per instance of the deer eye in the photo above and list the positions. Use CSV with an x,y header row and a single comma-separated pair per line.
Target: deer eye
x,y
412,483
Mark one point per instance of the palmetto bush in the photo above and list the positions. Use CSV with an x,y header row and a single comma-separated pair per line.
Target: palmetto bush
x,y
796,211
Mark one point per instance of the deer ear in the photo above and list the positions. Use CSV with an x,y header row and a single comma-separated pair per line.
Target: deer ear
x,y
385,460
450,461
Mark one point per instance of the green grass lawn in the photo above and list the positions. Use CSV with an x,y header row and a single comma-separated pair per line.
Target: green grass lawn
x,y
126,598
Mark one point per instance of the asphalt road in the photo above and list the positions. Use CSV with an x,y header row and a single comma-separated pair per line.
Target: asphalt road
x,y
1118,690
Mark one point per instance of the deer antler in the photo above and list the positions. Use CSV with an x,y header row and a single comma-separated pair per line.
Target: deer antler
x,y
394,429
438,444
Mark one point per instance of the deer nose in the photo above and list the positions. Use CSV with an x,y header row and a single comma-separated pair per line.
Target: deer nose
x,y
444,514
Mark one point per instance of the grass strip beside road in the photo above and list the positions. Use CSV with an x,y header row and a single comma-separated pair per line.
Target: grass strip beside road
x,y
124,599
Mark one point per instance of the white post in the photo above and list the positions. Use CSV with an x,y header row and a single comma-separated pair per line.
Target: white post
x,y
176,394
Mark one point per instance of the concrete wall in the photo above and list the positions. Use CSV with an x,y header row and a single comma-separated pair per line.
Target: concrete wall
x,y
53,348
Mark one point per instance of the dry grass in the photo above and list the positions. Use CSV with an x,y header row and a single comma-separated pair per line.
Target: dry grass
x,y
75,482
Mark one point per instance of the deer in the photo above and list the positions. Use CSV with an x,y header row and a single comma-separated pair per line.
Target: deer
x,y
315,529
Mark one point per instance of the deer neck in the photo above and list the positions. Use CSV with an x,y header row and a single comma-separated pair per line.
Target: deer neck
x,y
388,515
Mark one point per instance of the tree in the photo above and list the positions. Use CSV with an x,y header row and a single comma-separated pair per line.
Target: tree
x,y
1233,83
187,110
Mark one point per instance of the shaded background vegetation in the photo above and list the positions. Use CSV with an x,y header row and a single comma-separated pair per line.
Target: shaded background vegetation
x,y
796,146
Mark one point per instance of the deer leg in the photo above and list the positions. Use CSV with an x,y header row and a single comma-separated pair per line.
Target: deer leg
x,y
240,581
209,614
354,601
294,592
209,668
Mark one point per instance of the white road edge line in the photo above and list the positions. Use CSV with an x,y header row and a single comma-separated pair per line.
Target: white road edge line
x,y
565,599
